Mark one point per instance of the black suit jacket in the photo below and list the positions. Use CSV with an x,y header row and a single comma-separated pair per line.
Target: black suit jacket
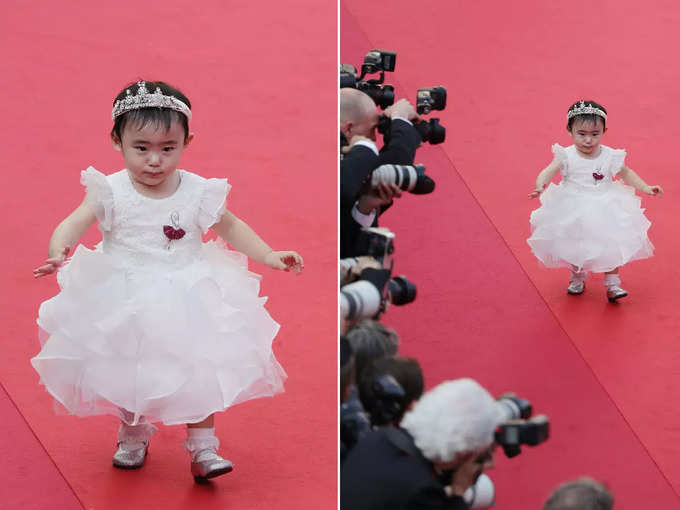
x,y
355,169
386,471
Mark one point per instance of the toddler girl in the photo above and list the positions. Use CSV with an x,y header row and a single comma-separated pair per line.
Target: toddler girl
x,y
155,325
590,222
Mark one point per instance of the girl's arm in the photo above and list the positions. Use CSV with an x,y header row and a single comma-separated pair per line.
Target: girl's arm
x,y
67,234
633,179
545,177
244,239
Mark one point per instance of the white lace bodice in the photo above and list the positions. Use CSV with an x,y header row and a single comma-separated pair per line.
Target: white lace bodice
x,y
579,170
132,224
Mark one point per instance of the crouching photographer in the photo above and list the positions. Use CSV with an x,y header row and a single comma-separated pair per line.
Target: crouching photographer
x,y
450,430
436,457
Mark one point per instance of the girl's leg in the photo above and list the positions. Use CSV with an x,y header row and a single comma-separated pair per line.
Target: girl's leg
x,y
577,281
613,284
133,443
202,444
209,422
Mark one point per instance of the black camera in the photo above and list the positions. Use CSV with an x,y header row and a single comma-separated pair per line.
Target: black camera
x,y
384,402
377,242
430,99
429,130
409,178
354,423
518,428
375,61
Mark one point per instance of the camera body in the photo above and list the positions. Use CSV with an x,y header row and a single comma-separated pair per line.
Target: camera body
x,y
519,428
430,99
384,404
354,422
377,242
375,61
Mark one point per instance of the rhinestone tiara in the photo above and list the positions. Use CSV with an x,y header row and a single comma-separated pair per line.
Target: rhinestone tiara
x,y
144,99
582,109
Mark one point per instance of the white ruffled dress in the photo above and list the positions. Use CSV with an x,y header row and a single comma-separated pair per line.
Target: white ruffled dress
x,y
589,223
170,330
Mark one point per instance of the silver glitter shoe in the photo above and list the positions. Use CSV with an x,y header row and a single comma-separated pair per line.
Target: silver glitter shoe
x,y
576,287
207,464
615,292
130,455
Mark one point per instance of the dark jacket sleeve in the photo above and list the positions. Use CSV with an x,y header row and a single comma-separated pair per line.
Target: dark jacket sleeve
x,y
432,498
401,150
355,168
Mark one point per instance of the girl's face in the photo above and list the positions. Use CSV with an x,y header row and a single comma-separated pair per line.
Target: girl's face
x,y
587,136
152,154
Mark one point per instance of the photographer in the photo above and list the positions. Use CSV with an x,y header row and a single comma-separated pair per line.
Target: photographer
x,y
360,207
449,431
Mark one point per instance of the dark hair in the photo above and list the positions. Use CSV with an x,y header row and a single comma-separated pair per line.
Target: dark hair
x,y
587,117
581,494
406,371
346,367
158,117
371,340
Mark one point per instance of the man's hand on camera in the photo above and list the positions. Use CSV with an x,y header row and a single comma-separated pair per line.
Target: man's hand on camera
x,y
382,195
404,109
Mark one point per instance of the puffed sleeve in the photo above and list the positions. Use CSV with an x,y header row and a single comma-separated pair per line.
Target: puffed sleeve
x,y
560,154
101,195
213,202
617,159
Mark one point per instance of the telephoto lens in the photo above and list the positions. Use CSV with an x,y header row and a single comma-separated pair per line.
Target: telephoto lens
x,y
364,298
401,291
513,407
409,178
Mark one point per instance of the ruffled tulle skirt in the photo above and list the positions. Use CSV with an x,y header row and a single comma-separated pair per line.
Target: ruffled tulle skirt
x,y
170,345
595,229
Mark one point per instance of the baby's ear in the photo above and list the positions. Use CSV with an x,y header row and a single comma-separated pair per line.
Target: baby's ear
x,y
188,139
115,141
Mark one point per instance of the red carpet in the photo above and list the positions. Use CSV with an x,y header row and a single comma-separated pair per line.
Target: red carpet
x,y
260,121
606,375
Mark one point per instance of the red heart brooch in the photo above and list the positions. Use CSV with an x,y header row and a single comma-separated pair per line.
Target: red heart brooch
x,y
173,232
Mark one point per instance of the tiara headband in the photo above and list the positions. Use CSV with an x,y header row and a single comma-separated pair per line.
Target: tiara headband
x,y
144,99
581,109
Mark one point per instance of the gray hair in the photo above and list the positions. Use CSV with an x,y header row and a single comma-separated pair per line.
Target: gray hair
x,y
581,494
452,418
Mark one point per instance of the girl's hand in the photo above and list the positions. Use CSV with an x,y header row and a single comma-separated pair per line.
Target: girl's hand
x,y
654,190
53,263
285,260
536,192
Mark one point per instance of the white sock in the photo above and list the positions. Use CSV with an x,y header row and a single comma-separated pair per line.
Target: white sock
x,y
135,436
200,438
612,280
578,276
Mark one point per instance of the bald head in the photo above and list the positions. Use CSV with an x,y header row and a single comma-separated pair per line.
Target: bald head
x,y
358,114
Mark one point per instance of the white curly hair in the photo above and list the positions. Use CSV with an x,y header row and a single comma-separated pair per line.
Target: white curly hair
x,y
454,417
